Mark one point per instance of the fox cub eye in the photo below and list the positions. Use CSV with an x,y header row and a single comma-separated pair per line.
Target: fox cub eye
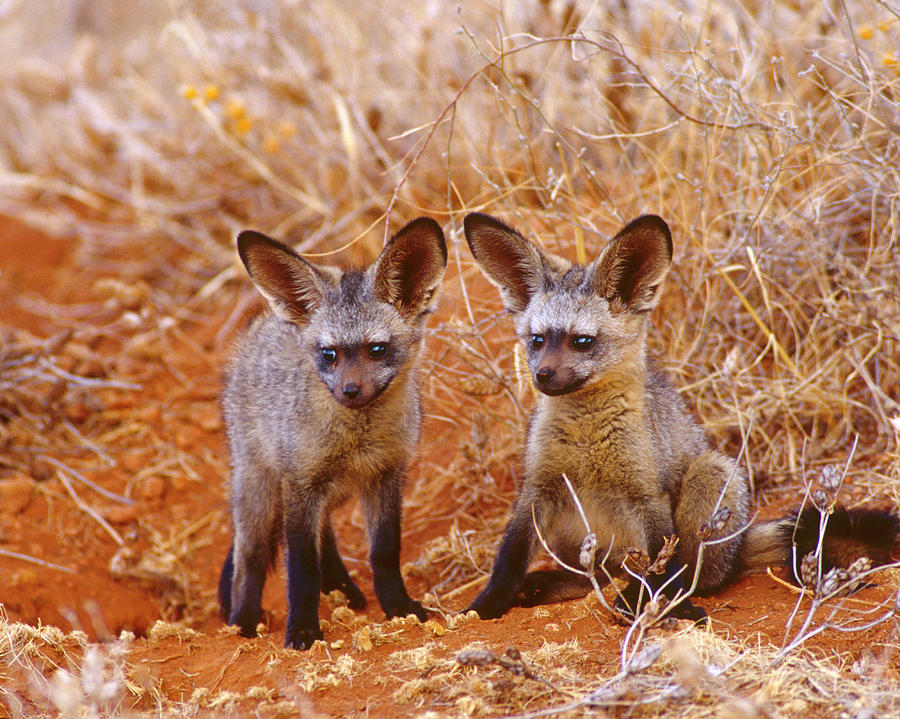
x,y
537,340
329,354
582,343
377,351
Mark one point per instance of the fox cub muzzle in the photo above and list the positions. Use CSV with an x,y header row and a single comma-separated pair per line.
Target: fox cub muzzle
x,y
321,401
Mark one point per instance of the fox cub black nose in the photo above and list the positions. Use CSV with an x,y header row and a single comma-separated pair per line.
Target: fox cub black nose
x,y
351,391
544,375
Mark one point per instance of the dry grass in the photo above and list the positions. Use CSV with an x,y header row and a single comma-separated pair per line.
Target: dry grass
x,y
766,134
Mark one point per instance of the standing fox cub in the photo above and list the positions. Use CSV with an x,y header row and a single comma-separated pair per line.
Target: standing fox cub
x,y
610,421
322,400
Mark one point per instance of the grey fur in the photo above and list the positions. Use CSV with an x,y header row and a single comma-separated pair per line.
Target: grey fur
x,y
607,418
306,432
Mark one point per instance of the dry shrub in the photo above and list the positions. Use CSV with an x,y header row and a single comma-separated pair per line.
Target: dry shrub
x,y
766,134
766,139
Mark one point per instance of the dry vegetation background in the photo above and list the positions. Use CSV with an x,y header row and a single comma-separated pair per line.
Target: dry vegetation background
x,y
767,134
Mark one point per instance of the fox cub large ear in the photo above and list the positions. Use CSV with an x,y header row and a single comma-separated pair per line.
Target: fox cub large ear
x,y
515,265
292,286
409,270
632,267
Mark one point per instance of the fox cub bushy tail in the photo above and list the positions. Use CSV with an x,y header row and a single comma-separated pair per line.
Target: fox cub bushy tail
x,y
609,420
322,400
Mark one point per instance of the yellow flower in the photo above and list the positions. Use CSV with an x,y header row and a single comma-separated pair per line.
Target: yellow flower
x,y
287,129
188,92
889,60
211,92
235,109
271,144
243,125
865,32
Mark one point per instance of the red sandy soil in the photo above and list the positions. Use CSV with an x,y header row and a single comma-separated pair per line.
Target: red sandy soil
x,y
175,416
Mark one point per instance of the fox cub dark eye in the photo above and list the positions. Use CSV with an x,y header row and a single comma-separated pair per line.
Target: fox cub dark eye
x,y
377,351
537,340
329,354
583,343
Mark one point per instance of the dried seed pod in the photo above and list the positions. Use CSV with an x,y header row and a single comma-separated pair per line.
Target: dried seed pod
x,y
651,610
809,570
830,478
644,659
859,567
475,658
716,523
664,556
588,553
822,499
854,575
834,581
638,560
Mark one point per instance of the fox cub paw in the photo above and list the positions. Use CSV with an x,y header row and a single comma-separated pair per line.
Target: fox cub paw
x,y
355,598
685,609
405,609
302,637
247,621
488,607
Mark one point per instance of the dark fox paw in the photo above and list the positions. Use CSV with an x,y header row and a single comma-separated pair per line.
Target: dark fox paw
x,y
248,630
488,607
406,608
685,609
355,598
246,623
301,638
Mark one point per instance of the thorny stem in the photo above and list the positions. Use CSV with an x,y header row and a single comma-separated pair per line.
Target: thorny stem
x,y
817,600
816,603
35,560
588,573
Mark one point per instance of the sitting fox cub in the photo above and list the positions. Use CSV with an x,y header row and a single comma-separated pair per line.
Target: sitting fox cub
x,y
611,422
321,400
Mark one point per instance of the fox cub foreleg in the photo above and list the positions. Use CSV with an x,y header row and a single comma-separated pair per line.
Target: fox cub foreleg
x,y
303,531
381,507
511,583
517,549
316,566
334,573
252,553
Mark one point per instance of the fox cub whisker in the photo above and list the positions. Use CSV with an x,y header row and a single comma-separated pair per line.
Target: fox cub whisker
x,y
321,401
608,419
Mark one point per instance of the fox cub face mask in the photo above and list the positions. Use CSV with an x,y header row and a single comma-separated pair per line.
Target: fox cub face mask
x,y
576,321
359,325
